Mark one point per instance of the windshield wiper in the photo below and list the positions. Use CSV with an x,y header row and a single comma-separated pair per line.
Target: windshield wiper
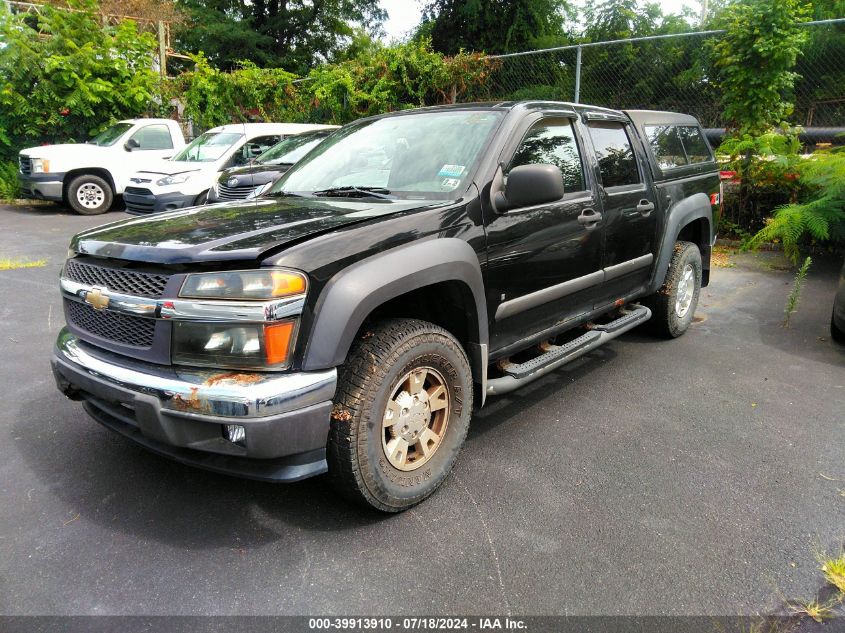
x,y
281,194
351,191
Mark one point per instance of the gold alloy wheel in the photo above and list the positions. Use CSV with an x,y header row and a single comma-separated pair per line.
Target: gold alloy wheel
x,y
415,419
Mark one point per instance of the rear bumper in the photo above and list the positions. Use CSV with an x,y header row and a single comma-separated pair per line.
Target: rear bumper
x,y
42,186
143,203
182,413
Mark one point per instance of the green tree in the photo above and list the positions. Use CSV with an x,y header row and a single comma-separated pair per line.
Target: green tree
x,y
665,74
755,60
64,75
391,78
289,34
212,97
620,19
493,26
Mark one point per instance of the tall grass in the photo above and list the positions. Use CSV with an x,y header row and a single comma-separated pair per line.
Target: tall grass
x,y
795,295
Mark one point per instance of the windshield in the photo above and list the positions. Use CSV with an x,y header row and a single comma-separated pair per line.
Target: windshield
x,y
111,135
208,147
290,150
422,155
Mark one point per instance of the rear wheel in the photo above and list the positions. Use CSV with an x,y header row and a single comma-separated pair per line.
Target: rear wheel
x,y
673,306
401,414
89,195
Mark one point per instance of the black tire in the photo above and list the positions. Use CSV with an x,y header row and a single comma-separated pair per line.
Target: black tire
x,y
835,333
666,320
201,199
359,467
89,195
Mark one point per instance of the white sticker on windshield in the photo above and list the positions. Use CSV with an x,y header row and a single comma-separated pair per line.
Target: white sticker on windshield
x,y
451,171
450,183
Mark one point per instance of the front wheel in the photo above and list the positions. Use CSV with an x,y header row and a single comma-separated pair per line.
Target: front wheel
x,y
401,414
673,306
89,195
836,332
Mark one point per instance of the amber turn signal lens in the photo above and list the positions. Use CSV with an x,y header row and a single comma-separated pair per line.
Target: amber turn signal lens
x,y
286,284
277,340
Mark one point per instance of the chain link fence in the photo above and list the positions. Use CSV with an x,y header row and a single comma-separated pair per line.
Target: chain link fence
x,y
670,72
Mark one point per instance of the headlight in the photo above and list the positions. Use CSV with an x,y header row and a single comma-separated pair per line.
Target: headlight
x,y
259,190
40,165
172,180
244,285
242,346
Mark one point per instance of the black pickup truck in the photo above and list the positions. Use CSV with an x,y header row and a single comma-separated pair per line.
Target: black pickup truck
x,y
350,319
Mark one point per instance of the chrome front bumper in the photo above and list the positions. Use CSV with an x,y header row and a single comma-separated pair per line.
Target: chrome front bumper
x,y
181,413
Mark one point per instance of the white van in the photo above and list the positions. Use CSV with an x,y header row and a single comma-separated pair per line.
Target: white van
x,y
185,179
88,176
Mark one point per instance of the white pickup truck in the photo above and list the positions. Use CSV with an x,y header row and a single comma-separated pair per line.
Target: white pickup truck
x,y
88,176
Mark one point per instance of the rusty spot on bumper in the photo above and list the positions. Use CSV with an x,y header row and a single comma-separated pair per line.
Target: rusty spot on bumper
x,y
191,403
233,378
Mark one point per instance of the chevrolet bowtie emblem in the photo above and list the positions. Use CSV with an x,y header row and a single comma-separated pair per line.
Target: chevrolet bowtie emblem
x,y
97,299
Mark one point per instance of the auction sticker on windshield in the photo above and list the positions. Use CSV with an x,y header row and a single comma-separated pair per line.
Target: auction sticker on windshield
x,y
451,171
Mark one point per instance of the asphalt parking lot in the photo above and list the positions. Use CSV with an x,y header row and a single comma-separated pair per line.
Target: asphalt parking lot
x,y
695,476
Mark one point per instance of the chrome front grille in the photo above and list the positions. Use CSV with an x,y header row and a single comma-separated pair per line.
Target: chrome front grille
x,y
225,192
130,282
111,326
25,163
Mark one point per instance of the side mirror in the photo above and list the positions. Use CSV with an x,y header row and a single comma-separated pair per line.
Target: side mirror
x,y
131,144
530,185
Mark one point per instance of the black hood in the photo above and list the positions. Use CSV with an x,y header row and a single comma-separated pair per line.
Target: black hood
x,y
252,175
242,230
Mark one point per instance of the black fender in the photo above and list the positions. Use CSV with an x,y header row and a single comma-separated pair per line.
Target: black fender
x,y
353,293
688,210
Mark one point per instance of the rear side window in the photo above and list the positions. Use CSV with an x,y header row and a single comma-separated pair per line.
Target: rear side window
x,y
153,137
666,146
616,159
552,142
698,151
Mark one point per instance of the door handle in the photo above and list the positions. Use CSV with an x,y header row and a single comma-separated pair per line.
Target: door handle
x,y
589,218
645,207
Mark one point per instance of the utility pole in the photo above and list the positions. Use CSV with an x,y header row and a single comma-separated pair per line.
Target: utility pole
x,y
705,6
162,50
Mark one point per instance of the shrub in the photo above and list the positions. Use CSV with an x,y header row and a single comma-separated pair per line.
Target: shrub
x,y
9,185
64,75
819,215
767,166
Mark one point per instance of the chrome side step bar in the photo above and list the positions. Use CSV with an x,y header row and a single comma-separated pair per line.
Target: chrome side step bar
x,y
557,355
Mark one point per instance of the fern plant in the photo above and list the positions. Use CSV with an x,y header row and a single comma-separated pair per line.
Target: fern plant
x,y
820,215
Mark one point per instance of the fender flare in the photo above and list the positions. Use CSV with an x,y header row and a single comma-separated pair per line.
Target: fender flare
x,y
694,207
353,293
92,170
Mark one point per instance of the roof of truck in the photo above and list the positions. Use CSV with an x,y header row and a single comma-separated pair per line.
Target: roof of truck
x,y
148,120
639,117
644,117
